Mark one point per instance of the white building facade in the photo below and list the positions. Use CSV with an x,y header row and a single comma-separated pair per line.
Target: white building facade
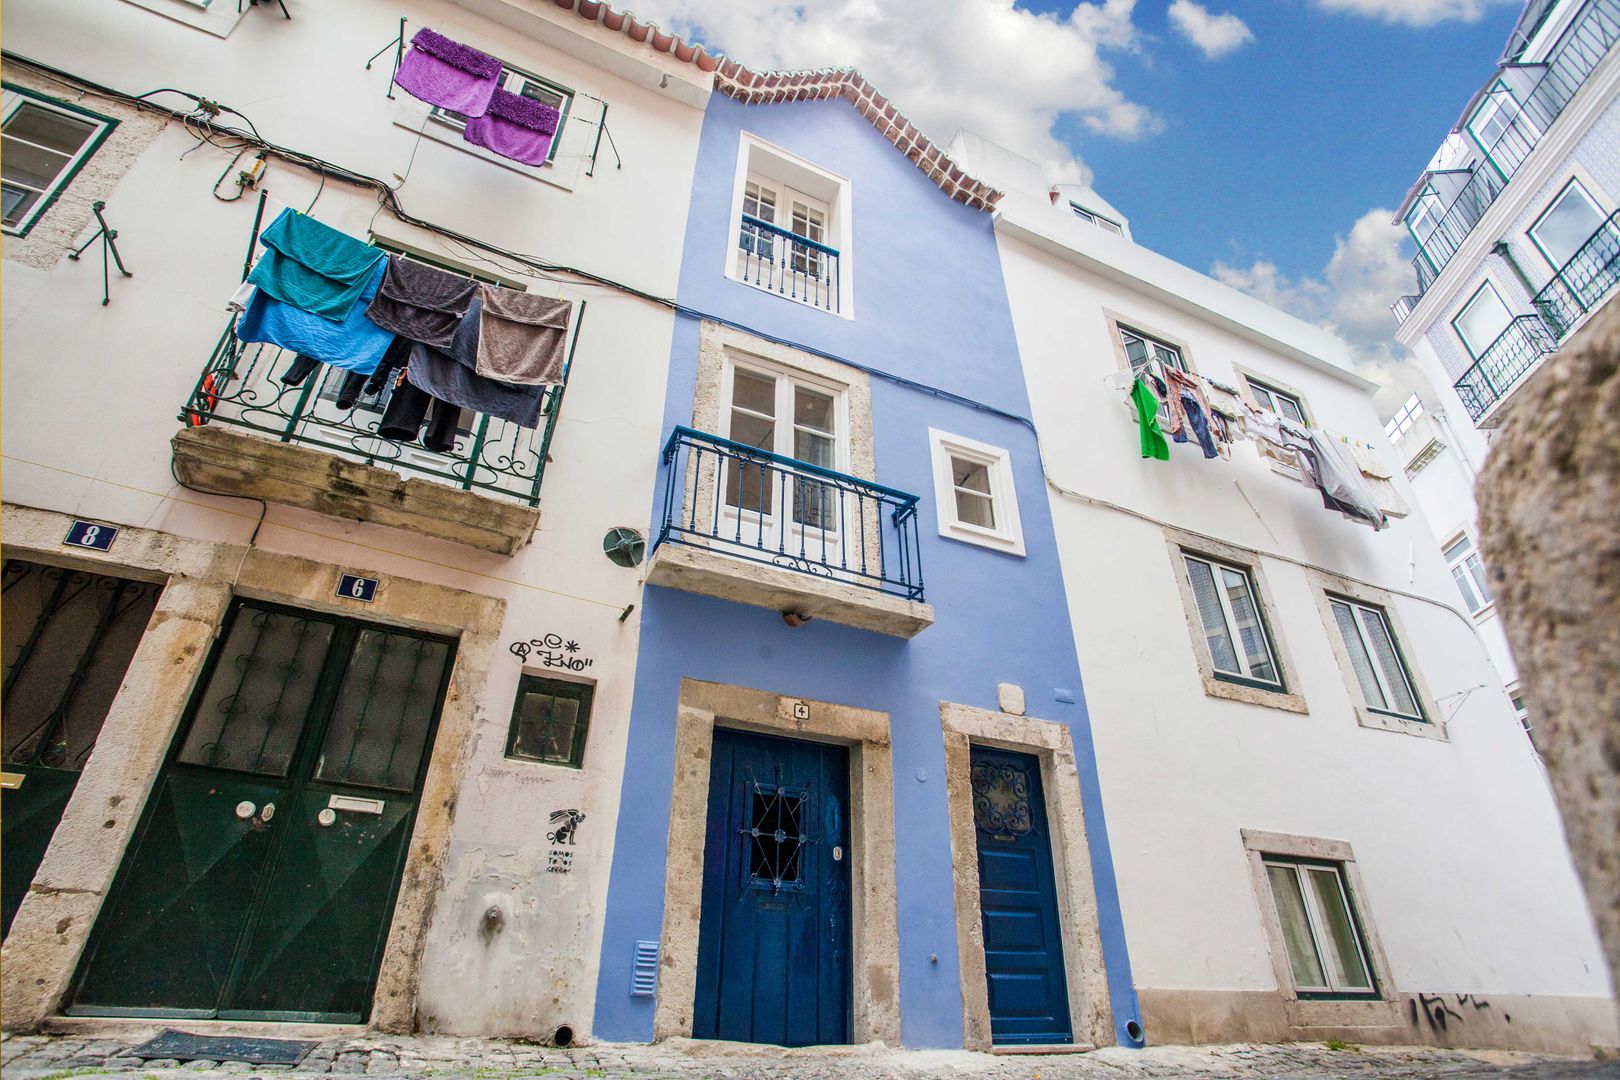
x,y
1247,750
448,617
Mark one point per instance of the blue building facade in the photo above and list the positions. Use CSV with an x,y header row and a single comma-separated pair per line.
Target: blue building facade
x,y
884,322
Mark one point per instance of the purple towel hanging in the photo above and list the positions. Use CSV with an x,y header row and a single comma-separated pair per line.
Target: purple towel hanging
x,y
515,127
448,74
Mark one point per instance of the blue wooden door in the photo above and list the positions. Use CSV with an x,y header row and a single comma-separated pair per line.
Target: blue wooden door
x,y
774,941
1023,937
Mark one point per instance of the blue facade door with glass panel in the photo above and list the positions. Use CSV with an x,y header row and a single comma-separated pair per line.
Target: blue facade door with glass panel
x,y
774,941
1023,938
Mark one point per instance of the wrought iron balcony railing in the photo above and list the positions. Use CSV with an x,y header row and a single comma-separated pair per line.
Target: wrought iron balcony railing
x,y
1585,281
1403,307
242,385
1499,368
1587,40
788,264
750,504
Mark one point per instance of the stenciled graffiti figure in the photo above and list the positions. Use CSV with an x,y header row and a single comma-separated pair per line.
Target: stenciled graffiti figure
x,y
567,822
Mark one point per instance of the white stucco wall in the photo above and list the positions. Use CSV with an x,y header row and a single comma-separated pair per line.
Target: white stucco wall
x,y
93,392
1468,881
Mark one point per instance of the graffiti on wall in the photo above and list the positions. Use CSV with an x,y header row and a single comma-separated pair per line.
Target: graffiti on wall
x,y
564,824
1438,1012
550,651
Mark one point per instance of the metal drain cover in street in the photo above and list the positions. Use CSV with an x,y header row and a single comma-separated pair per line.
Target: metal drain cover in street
x,y
184,1046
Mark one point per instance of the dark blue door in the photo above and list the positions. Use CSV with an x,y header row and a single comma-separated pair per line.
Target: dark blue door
x,y
774,942
1023,939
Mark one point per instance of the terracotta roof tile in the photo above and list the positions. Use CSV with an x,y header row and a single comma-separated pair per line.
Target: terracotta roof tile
x,y
752,88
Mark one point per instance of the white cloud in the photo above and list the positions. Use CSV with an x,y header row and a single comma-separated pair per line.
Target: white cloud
x,y
1351,297
1415,12
984,65
1215,35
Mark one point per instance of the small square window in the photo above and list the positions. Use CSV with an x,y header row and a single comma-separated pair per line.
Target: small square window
x,y
973,490
42,146
776,831
1327,954
524,85
549,721
1380,669
1234,629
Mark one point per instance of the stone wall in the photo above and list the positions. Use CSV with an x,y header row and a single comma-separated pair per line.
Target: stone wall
x,y
1548,516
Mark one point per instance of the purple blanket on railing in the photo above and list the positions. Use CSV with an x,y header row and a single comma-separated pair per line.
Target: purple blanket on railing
x,y
516,127
448,74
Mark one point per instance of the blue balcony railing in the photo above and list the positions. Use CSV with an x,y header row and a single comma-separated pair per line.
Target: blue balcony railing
x,y
788,264
750,504
1585,281
1499,368
1587,40
245,385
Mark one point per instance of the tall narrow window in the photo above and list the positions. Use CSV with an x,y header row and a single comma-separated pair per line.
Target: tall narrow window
x,y
1563,230
1423,220
790,418
1326,952
42,144
1482,320
1499,132
1468,572
784,239
1234,630
1377,661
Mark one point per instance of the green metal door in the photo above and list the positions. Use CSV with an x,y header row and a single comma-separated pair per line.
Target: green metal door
x,y
262,879
67,637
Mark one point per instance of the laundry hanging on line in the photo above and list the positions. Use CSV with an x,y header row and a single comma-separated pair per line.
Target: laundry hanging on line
x,y
421,302
449,75
354,344
452,376
515,127
314,267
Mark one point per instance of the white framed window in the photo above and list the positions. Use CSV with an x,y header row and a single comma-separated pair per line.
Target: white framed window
x,y
1327,952
1143,351
792,229
1423,219
1566,225
1469,573
788,415
1482,320
1521,711
1094,218
1404,419
974,493
1288,406
1380,670
43,144
1234,628
524,85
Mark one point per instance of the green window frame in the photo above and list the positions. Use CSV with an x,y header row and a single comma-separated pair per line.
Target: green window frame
x,y
517,81
1557,200
1379,663
51,191
1322,932
1499,97
1427,203
550,719
1486,286
1236,634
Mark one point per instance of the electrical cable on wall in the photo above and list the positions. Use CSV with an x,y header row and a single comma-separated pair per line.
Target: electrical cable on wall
x,y
203,117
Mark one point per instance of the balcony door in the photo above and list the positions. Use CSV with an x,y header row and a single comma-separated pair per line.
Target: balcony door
x,y
765,256
792,514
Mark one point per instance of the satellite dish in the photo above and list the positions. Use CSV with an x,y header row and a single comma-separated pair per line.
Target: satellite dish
x,y
624,546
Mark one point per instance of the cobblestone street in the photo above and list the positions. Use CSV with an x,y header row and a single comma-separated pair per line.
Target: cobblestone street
x,y
108,1052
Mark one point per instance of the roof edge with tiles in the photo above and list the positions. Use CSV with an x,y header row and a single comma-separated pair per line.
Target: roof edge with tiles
x,y
771,87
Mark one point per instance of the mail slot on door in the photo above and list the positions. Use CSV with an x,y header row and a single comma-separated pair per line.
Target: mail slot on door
x,y
354,805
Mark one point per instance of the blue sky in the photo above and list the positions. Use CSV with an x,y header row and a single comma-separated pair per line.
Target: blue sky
x,y
1264,142
1276,148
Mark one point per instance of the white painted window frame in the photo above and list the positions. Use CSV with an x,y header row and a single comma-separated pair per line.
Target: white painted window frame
x,y
1379,675
759,160
1315,925
1107,224
1008,535
1267,397
216,17
52,193
1229,618
1470,579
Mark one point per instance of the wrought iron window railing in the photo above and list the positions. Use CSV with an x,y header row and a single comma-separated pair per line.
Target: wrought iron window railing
x,y
1582,283
241,385
751,504
786,263
1499,368
1587,40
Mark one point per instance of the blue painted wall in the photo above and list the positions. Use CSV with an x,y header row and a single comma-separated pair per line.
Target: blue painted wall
x,y
930,305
